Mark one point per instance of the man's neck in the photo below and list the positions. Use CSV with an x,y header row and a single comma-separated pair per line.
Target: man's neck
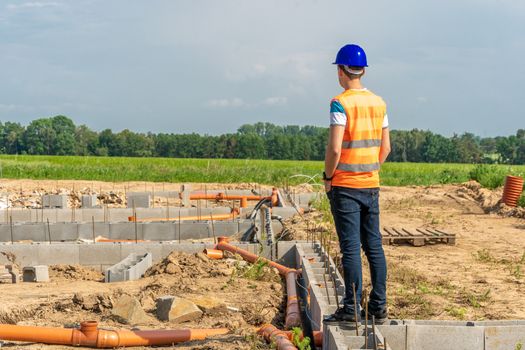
x,y
354,84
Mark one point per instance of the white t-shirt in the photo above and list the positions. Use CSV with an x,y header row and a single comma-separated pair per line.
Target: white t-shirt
x,y
338,114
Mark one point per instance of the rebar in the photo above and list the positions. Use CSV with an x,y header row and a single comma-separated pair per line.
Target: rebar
x,y
374,331
179,225
335,290
326,288
355,311
366,319
49,230
136,224
93,228
213,228
11,225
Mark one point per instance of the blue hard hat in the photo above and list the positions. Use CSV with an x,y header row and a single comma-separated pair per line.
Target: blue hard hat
x,y
351,55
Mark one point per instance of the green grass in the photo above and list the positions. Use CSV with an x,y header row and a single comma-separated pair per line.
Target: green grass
x,y
230,170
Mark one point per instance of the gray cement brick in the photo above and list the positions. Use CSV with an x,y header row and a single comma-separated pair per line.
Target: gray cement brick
x,y
130,268
88,214
89,201
58,253
159,231
37,273
54,201
125,230
26,254
85,230
504,337
435,337
99,254
396,336
138,200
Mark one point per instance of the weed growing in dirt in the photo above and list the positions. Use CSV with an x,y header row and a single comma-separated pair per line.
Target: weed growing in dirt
x,y
490,176
519,346
476,300
521,200
484,255
456,312
255,342
301,344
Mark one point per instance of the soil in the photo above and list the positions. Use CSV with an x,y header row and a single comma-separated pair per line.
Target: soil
x,y
27,193
481,277
75,294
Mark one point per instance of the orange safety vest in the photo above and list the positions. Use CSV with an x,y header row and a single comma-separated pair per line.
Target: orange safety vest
x,y
359,165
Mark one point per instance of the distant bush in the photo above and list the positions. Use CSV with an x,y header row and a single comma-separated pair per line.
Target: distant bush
x,y
490,176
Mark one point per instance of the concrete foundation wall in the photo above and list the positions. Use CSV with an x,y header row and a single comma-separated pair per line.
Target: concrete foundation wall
x,y
104,255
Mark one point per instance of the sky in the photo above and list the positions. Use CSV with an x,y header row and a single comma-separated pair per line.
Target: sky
x,y
209,66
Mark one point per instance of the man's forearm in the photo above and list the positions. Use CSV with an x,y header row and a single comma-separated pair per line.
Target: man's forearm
x,y
330,161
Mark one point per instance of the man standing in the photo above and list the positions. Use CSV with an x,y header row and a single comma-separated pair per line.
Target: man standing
x,y
358,143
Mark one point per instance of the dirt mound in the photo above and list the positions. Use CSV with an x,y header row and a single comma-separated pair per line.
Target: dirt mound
x,y
489,200
186,265
74,272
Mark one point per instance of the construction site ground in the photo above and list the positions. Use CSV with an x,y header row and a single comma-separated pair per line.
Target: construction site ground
x,y
481,277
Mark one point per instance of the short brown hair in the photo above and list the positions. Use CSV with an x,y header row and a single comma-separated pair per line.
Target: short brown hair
x,y
351,75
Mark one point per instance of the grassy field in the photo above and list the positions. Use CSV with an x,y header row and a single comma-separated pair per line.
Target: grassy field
x,y
232,170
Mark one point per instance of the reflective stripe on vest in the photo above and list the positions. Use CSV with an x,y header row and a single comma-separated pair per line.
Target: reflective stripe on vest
x,y
362,143
358,168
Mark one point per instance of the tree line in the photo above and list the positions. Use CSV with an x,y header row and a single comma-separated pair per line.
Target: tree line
x,y
60,136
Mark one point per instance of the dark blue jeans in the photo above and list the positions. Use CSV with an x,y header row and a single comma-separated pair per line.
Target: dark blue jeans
x,y
356,217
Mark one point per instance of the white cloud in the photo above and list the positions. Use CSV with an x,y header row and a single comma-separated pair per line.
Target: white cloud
x,y
35,4
235,102
275,101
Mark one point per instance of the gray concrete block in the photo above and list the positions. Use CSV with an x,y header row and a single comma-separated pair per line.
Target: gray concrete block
x,y
138,200
131,268
126,230
154,248
99,254
159,231
87,230
89,201
54,201
37,273
504,337
57,253
435,337
396,336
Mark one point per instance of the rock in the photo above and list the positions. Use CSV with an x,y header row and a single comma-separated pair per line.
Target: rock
x,y
128,310
209,305
203,257
176,309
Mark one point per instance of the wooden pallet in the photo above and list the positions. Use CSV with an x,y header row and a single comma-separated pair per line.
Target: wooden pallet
x,y
417,237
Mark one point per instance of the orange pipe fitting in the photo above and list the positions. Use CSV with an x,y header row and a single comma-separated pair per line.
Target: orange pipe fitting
x,y
222,197
512,190
273,335
246,255
89,335
293,312
214,254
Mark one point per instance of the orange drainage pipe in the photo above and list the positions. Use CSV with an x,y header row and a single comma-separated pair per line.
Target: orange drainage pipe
x,y
243,198
216,217
512,190
273,335
293,312
215,254
318,337
246,255
108,240
90,335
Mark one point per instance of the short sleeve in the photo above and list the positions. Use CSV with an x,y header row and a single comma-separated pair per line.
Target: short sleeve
x,y
337,113
385,122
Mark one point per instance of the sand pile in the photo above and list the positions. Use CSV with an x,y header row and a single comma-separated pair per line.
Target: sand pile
x,y
185,265
489,200
74,272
